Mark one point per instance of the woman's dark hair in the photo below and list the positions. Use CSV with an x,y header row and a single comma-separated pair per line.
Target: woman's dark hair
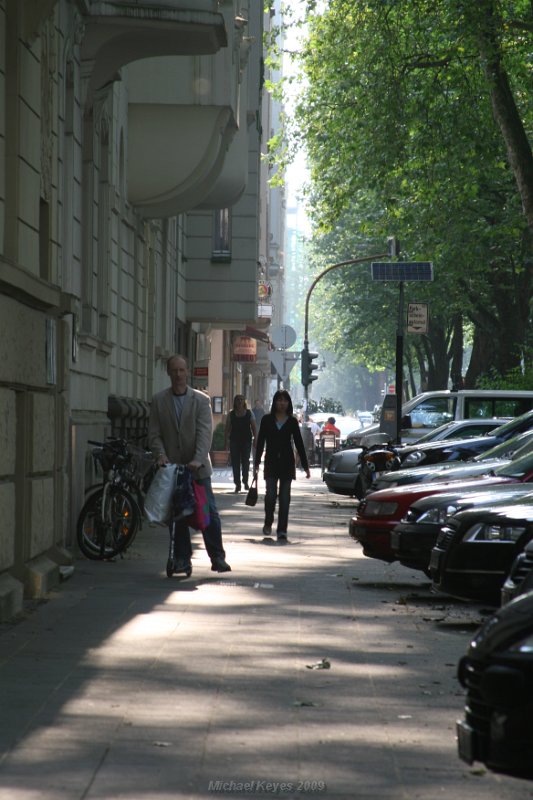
x,y
286,395
239,397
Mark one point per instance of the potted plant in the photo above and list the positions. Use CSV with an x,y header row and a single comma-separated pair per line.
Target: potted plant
x,y
219,454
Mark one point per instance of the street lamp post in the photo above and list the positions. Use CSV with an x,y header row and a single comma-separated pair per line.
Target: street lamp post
x,y
319,277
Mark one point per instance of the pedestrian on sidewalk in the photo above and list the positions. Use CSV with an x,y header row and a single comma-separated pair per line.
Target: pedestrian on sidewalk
x,y
315,432
180,430
240,432
330,427
258,412
280,433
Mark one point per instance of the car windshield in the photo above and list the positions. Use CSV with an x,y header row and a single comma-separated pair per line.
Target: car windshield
x,y
523,449
435,433
462,431
518,423
519,468
518,445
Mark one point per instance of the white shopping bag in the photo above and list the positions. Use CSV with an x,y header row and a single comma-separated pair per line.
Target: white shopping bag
x,y
158,500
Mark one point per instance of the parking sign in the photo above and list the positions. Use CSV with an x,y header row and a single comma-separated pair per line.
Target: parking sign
x,y
417,318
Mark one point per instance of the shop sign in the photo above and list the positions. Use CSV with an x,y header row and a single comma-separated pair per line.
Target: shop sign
x,y
244,349
264,311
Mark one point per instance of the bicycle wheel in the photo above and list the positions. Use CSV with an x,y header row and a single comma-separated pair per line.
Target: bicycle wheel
x,y
104,535
124,515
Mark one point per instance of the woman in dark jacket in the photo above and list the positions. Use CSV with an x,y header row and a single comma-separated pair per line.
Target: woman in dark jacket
x,y
240,431
278,431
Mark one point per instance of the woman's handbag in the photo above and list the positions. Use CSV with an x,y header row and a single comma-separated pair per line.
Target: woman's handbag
x,y
251,497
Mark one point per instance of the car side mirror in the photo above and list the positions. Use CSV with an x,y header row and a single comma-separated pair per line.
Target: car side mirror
x,y
406,421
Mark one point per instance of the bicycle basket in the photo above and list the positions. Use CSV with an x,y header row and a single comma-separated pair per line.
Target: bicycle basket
x,y
104,458
109,455
141,460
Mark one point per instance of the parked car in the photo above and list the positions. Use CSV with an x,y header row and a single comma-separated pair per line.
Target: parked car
x,y
462,449
520,577
452,470
379,512
366,418
461,429
476,547
413,539
431,409
497,673
342,469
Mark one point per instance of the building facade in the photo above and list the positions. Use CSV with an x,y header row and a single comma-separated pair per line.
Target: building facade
x,y
130,229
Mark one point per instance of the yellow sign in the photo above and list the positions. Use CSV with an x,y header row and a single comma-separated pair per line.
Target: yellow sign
x,y
264,291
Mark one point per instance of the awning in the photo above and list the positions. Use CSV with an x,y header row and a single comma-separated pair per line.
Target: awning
x,y
261,336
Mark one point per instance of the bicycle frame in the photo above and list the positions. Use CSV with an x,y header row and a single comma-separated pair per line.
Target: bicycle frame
x,y
121,467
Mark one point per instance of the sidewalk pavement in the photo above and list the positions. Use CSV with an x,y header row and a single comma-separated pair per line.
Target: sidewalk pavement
x,y
308,671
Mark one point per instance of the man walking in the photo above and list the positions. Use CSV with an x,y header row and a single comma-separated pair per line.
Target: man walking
x,y
180,432
259,412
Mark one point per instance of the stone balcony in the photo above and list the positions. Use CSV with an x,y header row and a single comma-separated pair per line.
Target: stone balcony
x,y
184,66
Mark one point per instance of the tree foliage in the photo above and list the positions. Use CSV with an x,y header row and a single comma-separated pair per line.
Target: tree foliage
x,y
325,405
415,117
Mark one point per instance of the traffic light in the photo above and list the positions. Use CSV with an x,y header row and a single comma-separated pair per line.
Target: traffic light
x,y
393,246
308,368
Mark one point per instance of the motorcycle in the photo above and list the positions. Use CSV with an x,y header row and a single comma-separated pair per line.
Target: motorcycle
x,y
373,461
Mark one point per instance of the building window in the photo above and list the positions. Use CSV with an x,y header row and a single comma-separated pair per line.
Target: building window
x,y
222,235
44,240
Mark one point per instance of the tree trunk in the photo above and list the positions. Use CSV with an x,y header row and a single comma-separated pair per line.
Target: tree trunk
x,y
422,368
503,103
456,353
481,358
411,390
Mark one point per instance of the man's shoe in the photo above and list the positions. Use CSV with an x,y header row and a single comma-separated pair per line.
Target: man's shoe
x,y
282,537
246,487
219,565
267,530
237,489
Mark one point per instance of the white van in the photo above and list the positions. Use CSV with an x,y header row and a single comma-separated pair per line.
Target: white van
x,y
431,409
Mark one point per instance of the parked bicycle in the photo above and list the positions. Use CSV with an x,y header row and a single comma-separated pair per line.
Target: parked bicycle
x,y
112,514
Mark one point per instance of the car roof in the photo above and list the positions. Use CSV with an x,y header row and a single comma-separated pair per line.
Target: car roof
x,y
502,430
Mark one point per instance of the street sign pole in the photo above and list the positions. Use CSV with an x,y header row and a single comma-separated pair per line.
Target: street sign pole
x,y
401,271
399,366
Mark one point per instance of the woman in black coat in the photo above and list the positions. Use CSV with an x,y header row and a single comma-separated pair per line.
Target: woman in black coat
x,y
278,431
240,431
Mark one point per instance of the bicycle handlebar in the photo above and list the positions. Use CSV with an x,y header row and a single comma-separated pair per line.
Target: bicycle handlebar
x,y
111,442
